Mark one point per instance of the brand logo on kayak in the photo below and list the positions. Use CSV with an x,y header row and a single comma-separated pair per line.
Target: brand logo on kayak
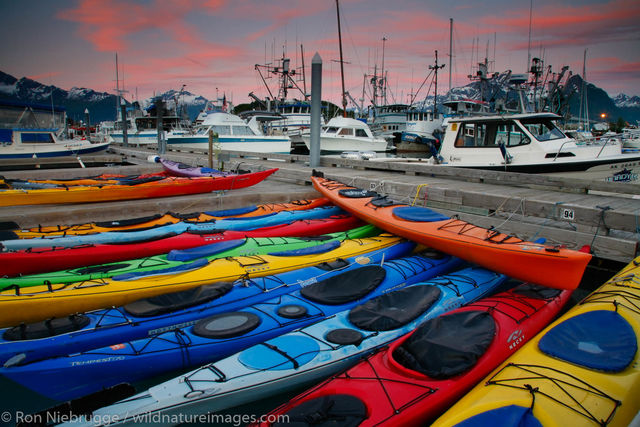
x,y
117,347
103,360
515,338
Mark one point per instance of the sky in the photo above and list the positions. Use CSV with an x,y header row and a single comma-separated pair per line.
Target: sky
x,y
212,46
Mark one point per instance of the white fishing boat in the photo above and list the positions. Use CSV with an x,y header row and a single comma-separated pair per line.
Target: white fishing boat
x,y
233,134
346,134
143,128
526,142
389,120
32,131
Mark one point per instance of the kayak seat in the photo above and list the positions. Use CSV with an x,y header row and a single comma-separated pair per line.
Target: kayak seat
x,y
331,410
127,222
357,193
138,181
312,250
204,251
232,212
185,216
345,287
531,290
175,301
506,416
227,325
46,328
601,340
418,213
383,202
435,351
394,309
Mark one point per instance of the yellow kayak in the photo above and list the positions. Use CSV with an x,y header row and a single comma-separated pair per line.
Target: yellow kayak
x,y
43,302
165,219
583,370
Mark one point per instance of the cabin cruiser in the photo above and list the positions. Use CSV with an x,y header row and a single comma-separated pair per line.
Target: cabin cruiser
x,y
33,131
233,134
346,134
423,127
526,142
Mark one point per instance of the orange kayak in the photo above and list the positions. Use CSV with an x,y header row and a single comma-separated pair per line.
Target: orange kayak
x,y
170,186
546,265
132,224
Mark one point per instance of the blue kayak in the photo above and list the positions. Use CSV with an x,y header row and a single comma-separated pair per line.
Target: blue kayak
x,y
303,356
150,316
245,223
223,334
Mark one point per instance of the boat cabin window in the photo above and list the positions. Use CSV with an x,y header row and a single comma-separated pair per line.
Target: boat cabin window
x,y
511,135
542,129
331,130
346,132
36,138
221,129
242,130
361,133
490,135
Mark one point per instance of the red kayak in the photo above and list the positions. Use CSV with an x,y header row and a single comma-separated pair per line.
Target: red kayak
x,y
42,260
547,265
420,375
130,190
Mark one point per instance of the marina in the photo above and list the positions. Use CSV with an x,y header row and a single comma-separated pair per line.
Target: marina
x,y
334,243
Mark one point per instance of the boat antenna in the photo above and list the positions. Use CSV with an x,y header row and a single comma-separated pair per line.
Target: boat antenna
x,y
344,98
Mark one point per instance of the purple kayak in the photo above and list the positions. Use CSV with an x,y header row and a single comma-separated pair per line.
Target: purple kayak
x,y
182,169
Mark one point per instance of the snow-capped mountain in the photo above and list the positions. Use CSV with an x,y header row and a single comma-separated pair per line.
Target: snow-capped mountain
x,y
626,101
101,105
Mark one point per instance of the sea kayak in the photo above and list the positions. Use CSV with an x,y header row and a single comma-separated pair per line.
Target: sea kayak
x,y
182,169
543,264
584,369
41,260
215,337
177,228
38,303
417,377
169,186
150,221
150,316
177,258
303,356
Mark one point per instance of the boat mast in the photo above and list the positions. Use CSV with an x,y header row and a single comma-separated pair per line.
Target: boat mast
x,y
384,78
435,79
304,79
584,90
450,51
344,98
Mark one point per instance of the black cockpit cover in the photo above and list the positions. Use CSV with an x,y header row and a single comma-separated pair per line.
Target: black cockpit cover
x,y
168,303
46,328
341,410
345,287
447,345
394,309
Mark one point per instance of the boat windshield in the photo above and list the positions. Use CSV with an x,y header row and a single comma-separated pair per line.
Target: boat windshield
x,y
242,130
331,129
542,129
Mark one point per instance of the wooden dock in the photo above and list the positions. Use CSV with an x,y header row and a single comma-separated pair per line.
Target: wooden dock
x,y
567,211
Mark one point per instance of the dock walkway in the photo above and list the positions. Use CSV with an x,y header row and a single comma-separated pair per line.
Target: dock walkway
x,y
566,211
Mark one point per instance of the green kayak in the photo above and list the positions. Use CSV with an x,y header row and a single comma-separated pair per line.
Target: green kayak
x,y
189,259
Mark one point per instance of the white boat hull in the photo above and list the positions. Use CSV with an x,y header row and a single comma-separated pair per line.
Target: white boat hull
x,y
254,145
